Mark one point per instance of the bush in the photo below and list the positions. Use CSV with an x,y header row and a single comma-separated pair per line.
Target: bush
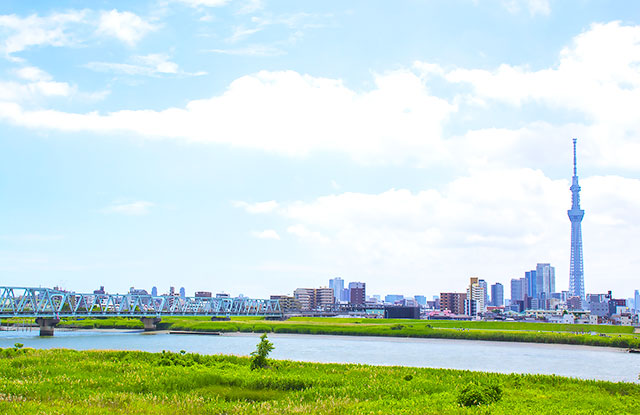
x,y
259,356
474,394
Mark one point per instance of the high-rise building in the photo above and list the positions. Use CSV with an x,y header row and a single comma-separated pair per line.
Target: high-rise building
x,y
392,298
497,295
421,299
453,302
154,291
484,286
476,294
531,289
337,285
637,301
357,293
576,266
546,279
183,293
518,289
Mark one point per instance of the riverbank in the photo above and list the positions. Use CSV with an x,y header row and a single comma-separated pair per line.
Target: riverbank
x,y
106,382
573,334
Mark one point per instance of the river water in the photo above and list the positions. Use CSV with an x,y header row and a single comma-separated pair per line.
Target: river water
x,y
583,362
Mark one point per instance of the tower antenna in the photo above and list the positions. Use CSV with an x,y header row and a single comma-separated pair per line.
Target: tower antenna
x,y
575,169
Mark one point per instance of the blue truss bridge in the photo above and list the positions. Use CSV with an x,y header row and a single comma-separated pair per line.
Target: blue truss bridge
x,y
48,306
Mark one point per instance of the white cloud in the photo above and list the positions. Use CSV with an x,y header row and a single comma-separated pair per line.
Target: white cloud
x,y
266,234
31,73
240,33
290,114
202,3
137,208
147,65
534,7
259,207
33,30
17,92
302,232
126,26
252,50
592,78
492,223
251,6
398,120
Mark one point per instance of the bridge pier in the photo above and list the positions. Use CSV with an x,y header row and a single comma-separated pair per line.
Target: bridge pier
x,y
47,324
150,323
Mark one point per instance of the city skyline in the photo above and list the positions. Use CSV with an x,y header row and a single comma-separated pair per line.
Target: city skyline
x,y
255,146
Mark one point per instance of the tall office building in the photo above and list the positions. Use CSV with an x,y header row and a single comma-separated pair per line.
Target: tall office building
x,y
636,301
337,285
518,289
576,266
532,284
421,299
484,286
154,291
497,295
546,279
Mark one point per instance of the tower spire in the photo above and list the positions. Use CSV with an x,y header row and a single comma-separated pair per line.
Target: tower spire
x,y
575,163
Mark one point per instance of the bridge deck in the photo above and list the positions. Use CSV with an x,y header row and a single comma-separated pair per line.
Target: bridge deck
x,y
45,302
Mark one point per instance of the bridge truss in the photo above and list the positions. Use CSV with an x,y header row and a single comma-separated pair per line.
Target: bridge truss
x,y
45,302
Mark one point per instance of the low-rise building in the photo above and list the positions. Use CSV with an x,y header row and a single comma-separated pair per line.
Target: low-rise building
x,y
454,302
287,302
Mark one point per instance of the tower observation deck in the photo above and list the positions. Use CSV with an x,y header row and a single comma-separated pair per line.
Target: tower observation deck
x,y
576,268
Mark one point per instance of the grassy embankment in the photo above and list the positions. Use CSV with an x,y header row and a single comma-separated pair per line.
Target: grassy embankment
x,y
578,334
106,382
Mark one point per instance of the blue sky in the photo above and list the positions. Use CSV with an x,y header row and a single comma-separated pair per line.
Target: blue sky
x,y
259,146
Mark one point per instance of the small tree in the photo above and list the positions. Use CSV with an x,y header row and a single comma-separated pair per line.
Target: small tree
x,y
259,356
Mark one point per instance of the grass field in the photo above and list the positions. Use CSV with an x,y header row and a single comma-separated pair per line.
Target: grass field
x,y
107,382
578,334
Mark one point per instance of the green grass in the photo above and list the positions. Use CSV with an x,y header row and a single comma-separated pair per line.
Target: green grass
x,y
577,334
108,382
613,336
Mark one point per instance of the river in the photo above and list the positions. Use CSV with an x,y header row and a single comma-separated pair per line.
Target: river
x,y
585,362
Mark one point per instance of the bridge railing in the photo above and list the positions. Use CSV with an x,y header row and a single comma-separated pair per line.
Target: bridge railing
x,y
45,302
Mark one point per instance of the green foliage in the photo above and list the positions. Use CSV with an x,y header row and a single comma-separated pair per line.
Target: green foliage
x,y
475,393
128,382
18,345
259,356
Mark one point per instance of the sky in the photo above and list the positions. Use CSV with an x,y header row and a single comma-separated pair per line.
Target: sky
x,y
254,146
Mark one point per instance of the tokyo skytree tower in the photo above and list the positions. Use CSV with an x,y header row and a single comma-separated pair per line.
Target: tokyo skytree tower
x,y
576,272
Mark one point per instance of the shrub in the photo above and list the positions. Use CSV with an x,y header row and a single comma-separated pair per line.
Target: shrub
x,y
474,394
259,356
